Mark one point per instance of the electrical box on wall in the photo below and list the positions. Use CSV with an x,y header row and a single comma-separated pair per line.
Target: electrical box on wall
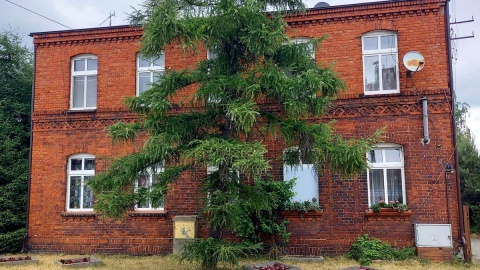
x,y
433,235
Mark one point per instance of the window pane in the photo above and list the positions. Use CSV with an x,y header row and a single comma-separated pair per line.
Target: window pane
x,y
143,82
87,193
91,91
371,73
160,61
79,65
89,164
387,42
76,164
306,185
377,190
78,92
92,64
75,187
156,76
142,62
143,181
394,185
393,155
375,156
389,72
370,43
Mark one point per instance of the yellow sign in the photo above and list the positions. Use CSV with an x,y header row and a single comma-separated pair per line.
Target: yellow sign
x,y
184,230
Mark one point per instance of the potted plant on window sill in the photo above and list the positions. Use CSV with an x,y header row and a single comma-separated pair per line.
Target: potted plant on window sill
x,y
303,209
392,208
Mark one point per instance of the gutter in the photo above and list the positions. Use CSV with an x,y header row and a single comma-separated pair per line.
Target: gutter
x,y
454,127
25,238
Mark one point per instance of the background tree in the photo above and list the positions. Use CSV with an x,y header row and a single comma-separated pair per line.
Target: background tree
x,y
469,165
16,75
254,64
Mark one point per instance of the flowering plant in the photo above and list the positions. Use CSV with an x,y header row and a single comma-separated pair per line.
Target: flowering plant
x,y
400,207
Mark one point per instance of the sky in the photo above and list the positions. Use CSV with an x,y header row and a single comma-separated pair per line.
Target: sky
x,y
91,13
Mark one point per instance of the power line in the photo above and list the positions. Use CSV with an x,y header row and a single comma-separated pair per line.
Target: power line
x,y
38,14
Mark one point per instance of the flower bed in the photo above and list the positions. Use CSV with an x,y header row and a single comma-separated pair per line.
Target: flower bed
x,y
79,262
270,266
17,260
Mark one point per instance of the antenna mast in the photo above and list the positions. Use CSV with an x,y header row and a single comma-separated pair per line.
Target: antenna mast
x,y
109,18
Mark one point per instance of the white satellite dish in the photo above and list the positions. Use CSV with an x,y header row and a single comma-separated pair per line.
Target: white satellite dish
x,y
413,61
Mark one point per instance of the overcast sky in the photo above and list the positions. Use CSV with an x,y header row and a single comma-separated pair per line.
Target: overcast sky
x,y
91,13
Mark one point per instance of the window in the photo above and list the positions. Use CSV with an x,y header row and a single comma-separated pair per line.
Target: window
x,y
306,184
380,63
149,71
81,168
84,82
386,176
302,41
145,181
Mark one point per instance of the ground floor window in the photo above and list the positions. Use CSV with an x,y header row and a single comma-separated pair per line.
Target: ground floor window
x,y
81,169
386,176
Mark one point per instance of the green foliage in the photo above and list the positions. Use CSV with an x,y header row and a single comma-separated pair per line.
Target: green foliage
x,y
469,166
302,206
366,249
15,93
210,252
400,207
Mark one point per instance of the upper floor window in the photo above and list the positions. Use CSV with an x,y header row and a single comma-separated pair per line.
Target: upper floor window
x,y
81,168
306,184
310,48
149,71
84,82
380,63
145,181
386,176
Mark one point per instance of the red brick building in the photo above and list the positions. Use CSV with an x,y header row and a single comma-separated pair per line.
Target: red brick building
x,y
82,77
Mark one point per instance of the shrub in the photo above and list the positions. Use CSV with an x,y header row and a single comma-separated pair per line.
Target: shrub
x,y
366,249
210,252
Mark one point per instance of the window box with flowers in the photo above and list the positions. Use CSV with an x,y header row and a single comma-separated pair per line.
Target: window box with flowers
x,y
390,209
306,210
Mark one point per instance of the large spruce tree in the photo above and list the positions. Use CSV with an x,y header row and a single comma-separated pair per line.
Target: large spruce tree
x,y
259,86
15,91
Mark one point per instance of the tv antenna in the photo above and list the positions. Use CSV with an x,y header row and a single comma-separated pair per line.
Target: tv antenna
x,y
109,18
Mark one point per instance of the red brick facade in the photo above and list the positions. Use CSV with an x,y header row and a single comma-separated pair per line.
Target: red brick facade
x,y
58,133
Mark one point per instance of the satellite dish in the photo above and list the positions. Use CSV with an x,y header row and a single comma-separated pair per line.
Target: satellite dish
x,y
321,5
413,61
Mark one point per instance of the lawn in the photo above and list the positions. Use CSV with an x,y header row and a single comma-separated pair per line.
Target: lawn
x,y
46,261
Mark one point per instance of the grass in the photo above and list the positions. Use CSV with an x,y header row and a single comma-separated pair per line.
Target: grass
x,y
118,262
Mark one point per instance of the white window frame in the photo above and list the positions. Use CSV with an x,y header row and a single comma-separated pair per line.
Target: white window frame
x,y
85,74
300,40
304,191
79,173
150,173
152,69
384,165
380,52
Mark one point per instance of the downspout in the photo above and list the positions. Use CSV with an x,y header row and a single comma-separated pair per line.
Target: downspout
x,y
454,125
426,137
25,238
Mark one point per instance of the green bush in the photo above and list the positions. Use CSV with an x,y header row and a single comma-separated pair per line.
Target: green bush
x,y
210,252
11,241
366,249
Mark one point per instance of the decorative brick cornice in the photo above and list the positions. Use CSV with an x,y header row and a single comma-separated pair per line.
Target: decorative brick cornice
x,y
88,36
368,11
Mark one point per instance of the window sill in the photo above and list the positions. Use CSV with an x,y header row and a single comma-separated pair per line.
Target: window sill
x,y
388,213
148,214
81,110
303,216
78,214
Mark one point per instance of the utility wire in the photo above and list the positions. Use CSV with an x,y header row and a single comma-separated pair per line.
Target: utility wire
x,y
38,14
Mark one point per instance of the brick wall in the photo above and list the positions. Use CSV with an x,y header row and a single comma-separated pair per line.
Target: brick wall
x,y
59,133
